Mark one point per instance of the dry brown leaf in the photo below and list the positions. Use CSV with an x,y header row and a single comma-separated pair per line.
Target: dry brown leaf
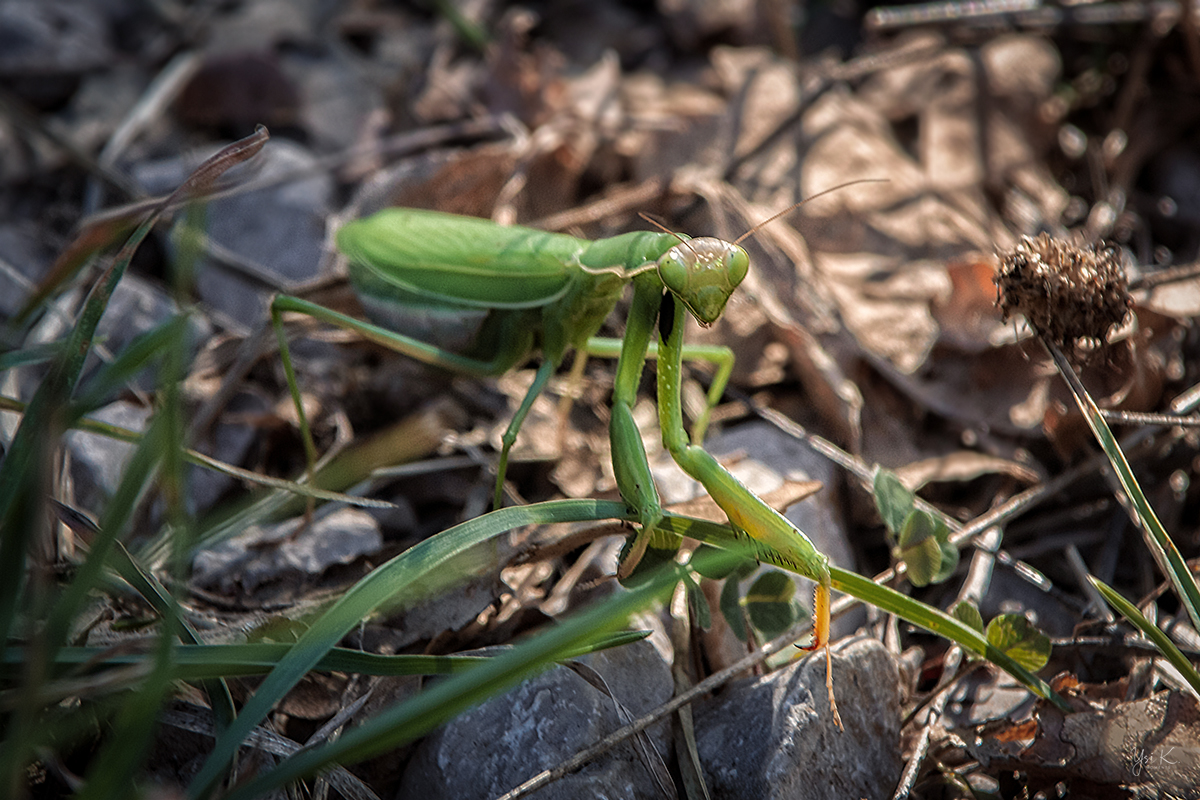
x,y
1148,745
967,319
963,465
780,499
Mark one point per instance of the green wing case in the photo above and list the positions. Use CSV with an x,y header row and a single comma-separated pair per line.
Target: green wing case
x,y
444,258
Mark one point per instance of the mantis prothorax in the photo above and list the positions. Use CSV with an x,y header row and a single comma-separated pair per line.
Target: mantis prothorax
x,y
552,291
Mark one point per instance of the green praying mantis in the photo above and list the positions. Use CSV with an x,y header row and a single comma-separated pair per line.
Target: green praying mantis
x,y
551,291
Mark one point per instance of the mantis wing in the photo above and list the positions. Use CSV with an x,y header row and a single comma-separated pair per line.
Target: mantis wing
x,y
410,255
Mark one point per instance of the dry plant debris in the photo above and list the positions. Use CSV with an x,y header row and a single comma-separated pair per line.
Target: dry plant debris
x,y
1067,292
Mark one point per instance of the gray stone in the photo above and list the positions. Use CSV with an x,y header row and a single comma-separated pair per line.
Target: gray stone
x,y
229,440
773,737
136,307
28,258
51,37
276,553
98,462
504,742
276,233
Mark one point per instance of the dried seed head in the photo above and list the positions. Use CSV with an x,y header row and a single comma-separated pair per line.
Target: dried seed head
x,y
1067,292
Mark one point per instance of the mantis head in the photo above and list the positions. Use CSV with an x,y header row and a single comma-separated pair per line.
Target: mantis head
x,y
703,273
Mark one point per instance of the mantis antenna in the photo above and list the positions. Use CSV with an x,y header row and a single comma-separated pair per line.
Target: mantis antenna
x,y
794,206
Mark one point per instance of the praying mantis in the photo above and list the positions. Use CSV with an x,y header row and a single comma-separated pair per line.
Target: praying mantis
x,y
551,291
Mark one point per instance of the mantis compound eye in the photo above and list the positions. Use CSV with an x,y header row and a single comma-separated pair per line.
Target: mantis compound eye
x,y
737,264
673,268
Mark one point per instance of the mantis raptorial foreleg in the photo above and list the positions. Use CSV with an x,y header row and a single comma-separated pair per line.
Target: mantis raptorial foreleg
x,y
630,465
766,531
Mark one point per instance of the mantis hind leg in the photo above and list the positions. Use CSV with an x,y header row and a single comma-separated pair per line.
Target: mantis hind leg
x,y
540,379
719,356
516,341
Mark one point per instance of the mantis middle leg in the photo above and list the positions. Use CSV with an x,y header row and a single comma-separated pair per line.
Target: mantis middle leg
x,y
719,356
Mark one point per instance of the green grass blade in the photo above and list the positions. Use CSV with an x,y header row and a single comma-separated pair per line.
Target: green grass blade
x,y
424,562
27,356
144,349
412,437
903,606
418,573
1169,559
122,434
441,703
24,489
941,623
137,476
156,595
1151,631
114,770
52,635
197,662
23,473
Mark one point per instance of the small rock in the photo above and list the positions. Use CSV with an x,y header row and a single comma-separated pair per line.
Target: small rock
x,y
45,46
501,744
136,307
279,229
24,251
99,462
249,561
229,440
773,737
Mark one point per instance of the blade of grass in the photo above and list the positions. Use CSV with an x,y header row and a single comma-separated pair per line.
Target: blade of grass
x,y
418,573
903,606
142,351
27,356
137,476
195,662
144,582
23,473
1151,631
46,639
942,624
1169,559
414,568
445,700
114,770
421,714
122,434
